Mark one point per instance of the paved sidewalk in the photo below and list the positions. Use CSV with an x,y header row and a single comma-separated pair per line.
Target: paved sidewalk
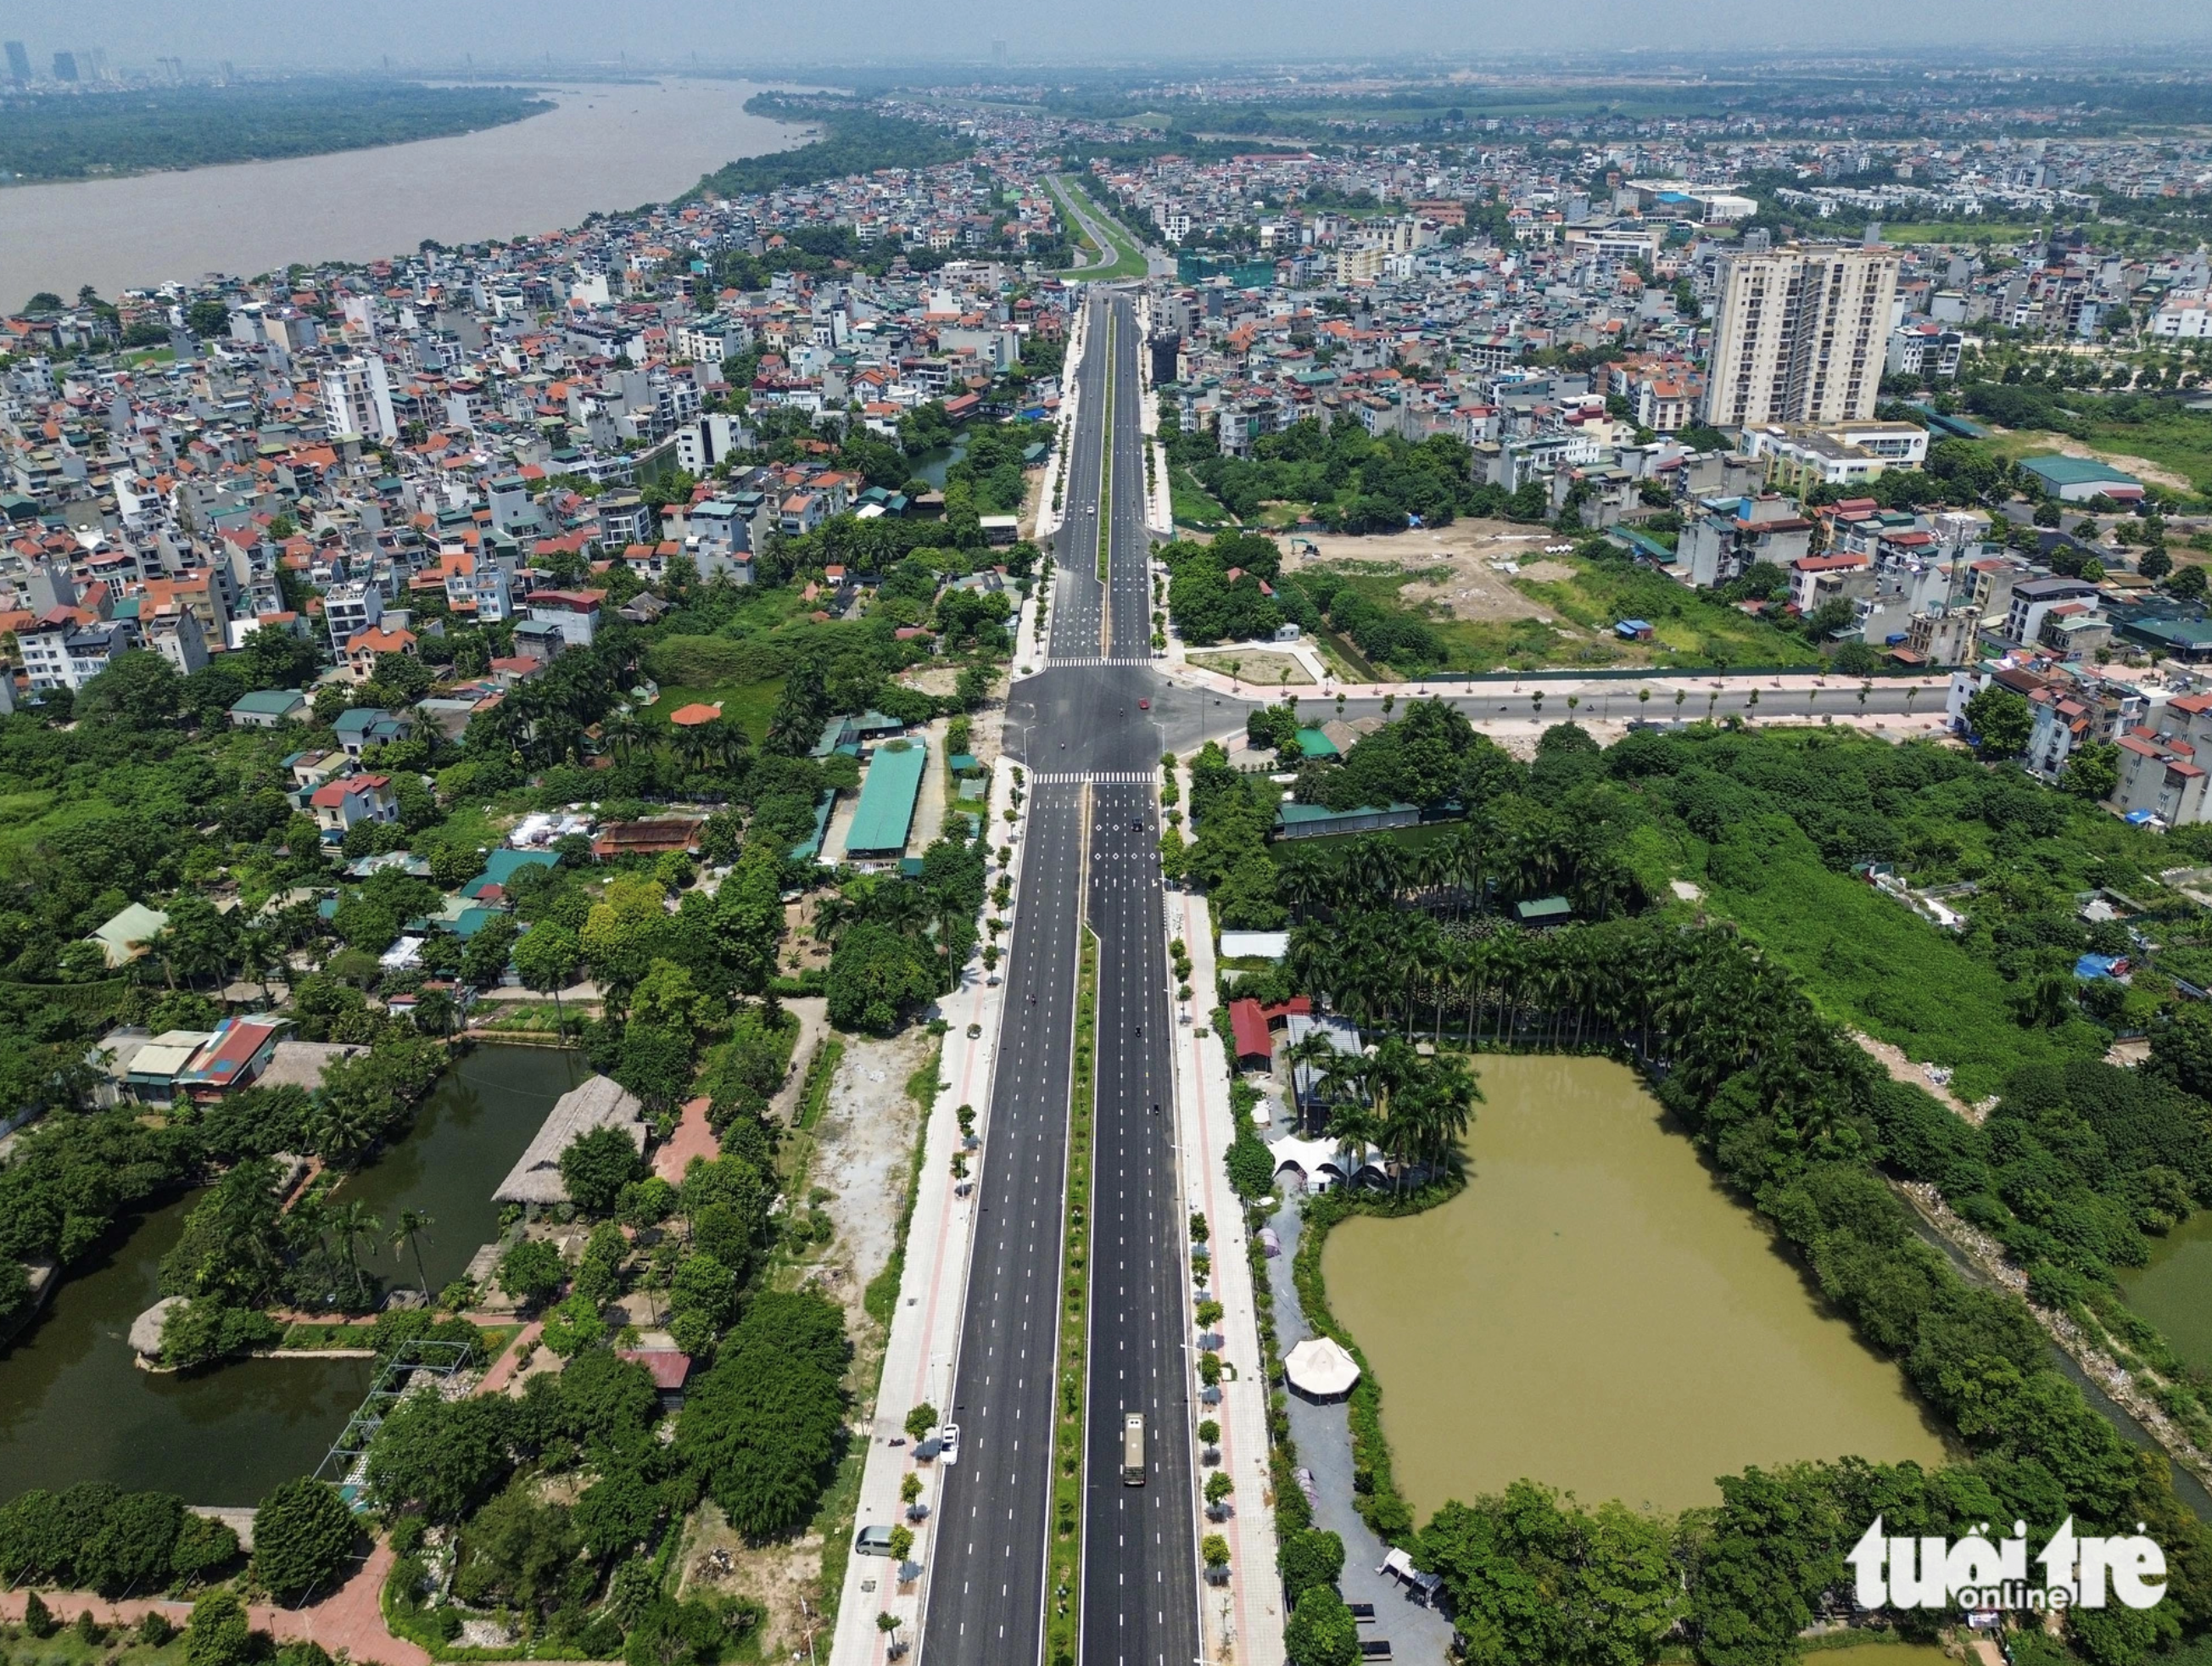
x,y
1242,1619
1159,500
501,1378
1323,1437
925,1336
349,1622
1047,517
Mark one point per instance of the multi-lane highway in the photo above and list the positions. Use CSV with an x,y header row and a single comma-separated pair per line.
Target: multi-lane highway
x,y
1093,753
1140,1562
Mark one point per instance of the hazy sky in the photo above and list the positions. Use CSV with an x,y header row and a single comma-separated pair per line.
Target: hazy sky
x,y
764,36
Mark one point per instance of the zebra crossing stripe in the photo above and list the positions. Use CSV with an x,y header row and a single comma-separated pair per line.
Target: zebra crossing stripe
x,y
1100,778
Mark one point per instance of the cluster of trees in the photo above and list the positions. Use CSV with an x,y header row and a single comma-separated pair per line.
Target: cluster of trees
x,y
761,1433
1356,482
92,1536
75,1177
1208,606
1232,815
855,140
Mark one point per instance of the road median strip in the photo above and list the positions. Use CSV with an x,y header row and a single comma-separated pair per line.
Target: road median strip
x,y
1063,1624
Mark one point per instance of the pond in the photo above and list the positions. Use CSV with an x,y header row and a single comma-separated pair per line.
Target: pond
x,y
933,463
2174,1291
1595,1311
74,1406
466,1136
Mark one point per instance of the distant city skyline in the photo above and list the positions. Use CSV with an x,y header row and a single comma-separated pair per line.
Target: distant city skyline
x,y
422,33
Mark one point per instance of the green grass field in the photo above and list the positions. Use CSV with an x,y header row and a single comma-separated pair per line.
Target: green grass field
x,y
750,705
1869,961
1957,231
1128,258
1193,505
2176,439
1690,629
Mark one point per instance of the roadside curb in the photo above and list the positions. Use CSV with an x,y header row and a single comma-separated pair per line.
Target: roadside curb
x,y
1243,1619
922,1350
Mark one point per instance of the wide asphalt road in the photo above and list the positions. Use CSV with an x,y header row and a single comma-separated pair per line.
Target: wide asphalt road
x,y
1093,757
1092,754
1140,1559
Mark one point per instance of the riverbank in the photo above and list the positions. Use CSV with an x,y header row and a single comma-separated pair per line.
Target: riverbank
x,y
56,139
600,148
2113,1379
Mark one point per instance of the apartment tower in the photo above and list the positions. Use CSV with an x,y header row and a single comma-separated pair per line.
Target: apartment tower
x,y
1800,335
357,398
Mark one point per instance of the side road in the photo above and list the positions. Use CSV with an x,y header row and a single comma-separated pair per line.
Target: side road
x,y
1242,1619
925,1335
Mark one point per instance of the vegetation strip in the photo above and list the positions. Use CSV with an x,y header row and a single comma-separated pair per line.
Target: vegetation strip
x,y
1064,1623
821,1072
1106,488
1127,253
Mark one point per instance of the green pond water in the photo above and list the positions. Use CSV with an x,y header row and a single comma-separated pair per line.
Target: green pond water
x,y
2174,1291
1596,1312
74,1406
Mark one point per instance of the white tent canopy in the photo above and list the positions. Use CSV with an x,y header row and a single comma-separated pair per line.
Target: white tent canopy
x,y
1320,1368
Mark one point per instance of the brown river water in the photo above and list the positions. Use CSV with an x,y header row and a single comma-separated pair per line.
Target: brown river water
x,y
1596,1312
602,149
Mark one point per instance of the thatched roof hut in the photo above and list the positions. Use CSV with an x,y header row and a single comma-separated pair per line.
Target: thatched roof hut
x,y
600,1103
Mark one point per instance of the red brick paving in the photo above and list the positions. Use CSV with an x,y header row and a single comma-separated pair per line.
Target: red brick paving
x,y
693,1138
350,1619
504,1368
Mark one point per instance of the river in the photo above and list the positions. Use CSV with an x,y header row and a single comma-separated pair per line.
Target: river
x,y
1595,1311
75,1407
603,147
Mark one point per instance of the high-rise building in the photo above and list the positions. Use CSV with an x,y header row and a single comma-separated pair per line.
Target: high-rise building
x,y
19,63
1799,335
357,398
64,66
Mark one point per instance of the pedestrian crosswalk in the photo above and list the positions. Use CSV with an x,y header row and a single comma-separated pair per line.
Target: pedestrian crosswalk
x,y
1053,660
1096,778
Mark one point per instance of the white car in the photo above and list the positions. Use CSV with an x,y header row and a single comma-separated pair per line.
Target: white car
x,y
948,1442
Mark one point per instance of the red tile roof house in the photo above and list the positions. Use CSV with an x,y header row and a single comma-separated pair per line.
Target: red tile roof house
x,y
669,1368
1253,1027
340,804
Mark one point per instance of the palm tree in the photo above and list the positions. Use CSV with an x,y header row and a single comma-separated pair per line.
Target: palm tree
x,y
352,1220
621,732
1317,1052
258,956
694,747
341,1126
406,1229
433,1012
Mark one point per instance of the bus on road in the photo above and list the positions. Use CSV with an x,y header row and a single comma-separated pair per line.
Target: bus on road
x,y
1132,1450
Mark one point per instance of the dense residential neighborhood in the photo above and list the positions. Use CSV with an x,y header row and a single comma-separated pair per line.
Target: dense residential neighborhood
x,y
689,902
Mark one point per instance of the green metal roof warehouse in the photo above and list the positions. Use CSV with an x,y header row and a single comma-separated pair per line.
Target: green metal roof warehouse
x,y
885,815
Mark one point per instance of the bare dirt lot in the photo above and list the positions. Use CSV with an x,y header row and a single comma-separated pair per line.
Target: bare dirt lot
x,y
1263,669
866,1142
784,1578
1455,562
